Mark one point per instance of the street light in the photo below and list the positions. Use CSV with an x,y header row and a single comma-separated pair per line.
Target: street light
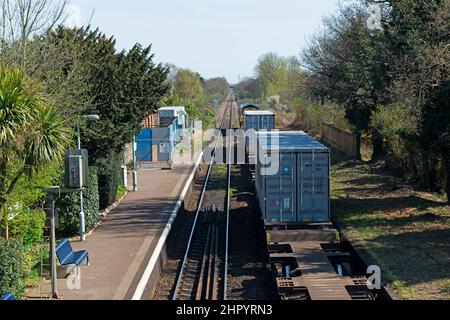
x,y
90,117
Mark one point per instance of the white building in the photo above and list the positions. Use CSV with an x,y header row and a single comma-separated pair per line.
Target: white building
x,y
168,114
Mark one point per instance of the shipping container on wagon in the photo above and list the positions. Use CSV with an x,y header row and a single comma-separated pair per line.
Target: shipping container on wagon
x,y
299,191
259,120
246,107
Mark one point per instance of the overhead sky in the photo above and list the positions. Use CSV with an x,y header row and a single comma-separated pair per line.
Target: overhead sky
x,y
212,37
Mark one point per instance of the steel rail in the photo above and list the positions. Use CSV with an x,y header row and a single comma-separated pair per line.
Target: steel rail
x,y
230,161
199,207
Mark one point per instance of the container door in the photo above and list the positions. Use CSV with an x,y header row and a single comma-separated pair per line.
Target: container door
x,y
250,122
266,123
313,187
262,123
280,192
144,145
270,123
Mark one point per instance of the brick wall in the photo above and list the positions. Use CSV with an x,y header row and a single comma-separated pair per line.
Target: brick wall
x,y
343,140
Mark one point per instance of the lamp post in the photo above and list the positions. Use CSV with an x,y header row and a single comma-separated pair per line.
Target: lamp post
x,y
90,117
134,173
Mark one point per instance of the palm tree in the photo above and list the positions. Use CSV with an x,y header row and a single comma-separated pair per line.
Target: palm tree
x,y
32,132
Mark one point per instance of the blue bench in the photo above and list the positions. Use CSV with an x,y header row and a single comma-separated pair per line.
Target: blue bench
x,y
7,296
67,256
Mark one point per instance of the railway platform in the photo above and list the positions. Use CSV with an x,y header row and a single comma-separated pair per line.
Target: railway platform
x,y
122,247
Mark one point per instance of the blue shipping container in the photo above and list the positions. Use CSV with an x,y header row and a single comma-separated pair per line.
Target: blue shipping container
x,y
299,190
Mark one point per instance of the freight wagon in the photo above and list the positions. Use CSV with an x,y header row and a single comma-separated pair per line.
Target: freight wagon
x,y
298,191
259,120
256,120
246,107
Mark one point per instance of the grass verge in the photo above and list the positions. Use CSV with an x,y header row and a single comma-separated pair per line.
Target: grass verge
x,y
406,232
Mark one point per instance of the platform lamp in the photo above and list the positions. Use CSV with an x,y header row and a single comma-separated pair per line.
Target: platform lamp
x,y
90,117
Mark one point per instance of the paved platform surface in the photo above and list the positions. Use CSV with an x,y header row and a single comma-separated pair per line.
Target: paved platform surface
x,y
121,246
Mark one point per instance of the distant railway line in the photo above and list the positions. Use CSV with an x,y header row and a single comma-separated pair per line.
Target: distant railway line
x,y
221,241
203,270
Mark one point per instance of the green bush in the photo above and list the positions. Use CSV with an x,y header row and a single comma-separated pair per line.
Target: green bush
x,y
69,207
394,124
11,267
311,116
28,228
203,113
108,179
121,191
24,205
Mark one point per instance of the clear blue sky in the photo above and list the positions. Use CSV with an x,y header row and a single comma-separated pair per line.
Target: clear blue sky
x,y
212,37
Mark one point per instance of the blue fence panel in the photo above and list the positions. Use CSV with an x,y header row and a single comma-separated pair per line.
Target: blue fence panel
x,y
144,145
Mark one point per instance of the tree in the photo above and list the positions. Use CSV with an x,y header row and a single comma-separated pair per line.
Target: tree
x,y
122,89
32,132
188,86
21,19
345,65
296,77
216,88
28,42
393,83
272,74
249,89
418,36
172,71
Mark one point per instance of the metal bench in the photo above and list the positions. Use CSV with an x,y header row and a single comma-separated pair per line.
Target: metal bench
x,y
7,296
67,256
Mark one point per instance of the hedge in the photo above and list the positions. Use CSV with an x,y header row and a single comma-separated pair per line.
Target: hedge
x,y
11,267
108,179
69,208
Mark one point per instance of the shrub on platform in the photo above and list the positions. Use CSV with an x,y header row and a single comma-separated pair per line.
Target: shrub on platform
x,y
11,267
28,227
69,207
108,179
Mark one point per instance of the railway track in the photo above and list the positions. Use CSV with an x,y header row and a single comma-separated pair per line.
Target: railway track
x,y
203,271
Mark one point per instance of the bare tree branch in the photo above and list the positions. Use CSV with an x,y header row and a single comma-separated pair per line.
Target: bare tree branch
x,y
22,19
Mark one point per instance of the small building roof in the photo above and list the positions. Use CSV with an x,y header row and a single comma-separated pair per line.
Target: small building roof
x,y
289,141
181,109
259,113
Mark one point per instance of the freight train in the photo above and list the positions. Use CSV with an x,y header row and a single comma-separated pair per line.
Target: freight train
x,y
292,182
246,107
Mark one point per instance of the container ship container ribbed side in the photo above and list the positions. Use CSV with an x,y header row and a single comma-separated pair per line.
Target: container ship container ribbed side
x,y
259,120
299,191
